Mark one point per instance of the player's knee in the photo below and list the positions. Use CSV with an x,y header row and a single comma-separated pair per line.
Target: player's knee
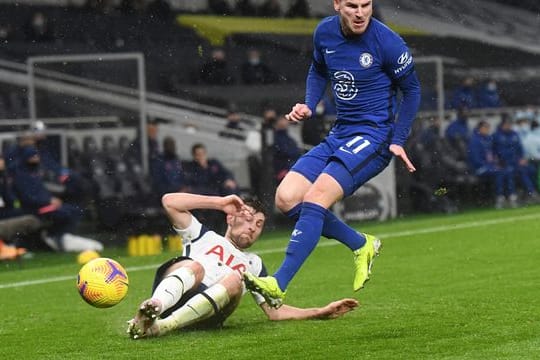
x,y
286,200
198,270
233,284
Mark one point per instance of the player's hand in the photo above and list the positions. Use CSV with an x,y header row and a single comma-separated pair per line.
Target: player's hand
x,y
232,205
299,113
338,308
398,151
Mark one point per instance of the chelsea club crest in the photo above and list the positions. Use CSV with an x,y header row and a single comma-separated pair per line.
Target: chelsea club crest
x,y
366,60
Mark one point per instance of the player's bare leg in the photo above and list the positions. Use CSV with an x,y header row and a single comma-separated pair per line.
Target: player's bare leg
x,y
179,278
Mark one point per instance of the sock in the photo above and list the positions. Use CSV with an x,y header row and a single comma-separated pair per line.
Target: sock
x,y
334,228
304,238
173,286
198,308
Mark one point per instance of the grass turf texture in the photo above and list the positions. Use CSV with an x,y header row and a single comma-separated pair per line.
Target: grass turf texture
x,y
452,287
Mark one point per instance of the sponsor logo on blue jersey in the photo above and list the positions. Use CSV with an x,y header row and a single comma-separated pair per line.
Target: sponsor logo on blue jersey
x,y
344,88
404,60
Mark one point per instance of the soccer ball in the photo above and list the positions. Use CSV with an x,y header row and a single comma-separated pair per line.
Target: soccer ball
x,y
102,282
86,256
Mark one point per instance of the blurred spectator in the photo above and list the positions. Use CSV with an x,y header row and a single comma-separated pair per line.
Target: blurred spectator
x,y
38,29
35,199
509,152
438,167
14,223
134,148
215,71
522,128
166,172
254,71
233,128
245,8
315,129
531,143
457,133
286,150
270,8
219,7
12,155
531,148
464,95
488,95
208,176
6,32
299,9
159,10
63,181
484,165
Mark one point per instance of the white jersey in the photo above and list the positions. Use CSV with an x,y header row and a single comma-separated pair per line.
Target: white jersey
x,y
218,256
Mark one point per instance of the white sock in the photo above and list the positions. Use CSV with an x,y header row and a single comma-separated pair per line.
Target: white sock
x,y
200,307
173,286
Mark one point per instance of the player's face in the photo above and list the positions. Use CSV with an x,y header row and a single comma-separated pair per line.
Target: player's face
x,y
354,15
246,228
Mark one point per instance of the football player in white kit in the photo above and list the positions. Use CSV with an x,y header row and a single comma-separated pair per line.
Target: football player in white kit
x,y
204,285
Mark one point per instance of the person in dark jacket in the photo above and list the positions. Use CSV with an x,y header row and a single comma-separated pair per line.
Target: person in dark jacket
x,y
14,223
167,172
483,163
206,176
37,200
286,150
509,152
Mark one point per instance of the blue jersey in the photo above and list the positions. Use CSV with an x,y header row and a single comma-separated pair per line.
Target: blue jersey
x,y
365,73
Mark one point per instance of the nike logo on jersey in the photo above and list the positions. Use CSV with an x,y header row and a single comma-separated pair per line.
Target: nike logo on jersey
x,y
296,232
330,51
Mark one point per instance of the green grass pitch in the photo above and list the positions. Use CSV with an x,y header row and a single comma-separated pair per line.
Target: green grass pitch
x,y
445,287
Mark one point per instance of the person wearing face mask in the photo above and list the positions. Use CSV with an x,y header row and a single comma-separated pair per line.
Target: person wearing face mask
x,y
465,95
61,218
508,149
254,71
204,286
488,95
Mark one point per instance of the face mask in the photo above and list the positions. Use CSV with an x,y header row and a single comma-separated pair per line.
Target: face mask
x,y
254,61
492,87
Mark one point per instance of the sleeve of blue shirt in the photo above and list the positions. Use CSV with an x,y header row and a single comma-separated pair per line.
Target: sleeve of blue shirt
x,y
317,77
399,66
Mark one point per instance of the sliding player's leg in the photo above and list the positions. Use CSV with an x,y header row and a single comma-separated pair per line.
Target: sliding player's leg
x,y
209,308
173,279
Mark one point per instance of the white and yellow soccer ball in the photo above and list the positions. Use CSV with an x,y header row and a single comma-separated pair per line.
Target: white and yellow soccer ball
x,y
102,282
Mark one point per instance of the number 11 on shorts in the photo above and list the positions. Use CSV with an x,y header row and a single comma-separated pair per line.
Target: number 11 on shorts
x,y
365,143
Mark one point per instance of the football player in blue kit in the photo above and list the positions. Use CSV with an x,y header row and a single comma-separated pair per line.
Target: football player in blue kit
x,y
366,64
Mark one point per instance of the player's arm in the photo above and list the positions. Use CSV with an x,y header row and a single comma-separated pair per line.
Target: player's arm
x,y
331,311
178,206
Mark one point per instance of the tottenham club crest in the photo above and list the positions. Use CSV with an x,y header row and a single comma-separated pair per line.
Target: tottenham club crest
x,y
366,60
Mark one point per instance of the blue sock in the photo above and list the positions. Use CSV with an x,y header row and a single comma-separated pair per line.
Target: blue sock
x,y
334,228
304,238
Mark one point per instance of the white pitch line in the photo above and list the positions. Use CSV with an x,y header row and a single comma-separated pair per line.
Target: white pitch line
x,y
435,229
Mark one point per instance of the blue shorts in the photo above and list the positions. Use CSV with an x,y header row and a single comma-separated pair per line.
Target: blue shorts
x,y
351,160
